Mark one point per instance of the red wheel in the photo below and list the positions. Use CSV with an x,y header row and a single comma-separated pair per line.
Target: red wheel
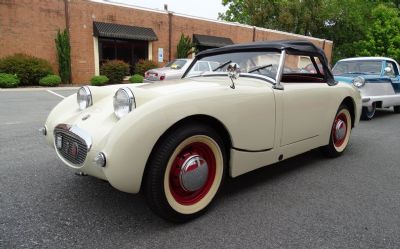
x,y
340,133
339,130
185,173
192,173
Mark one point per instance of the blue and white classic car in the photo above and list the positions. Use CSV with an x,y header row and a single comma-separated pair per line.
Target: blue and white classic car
x,y
377,78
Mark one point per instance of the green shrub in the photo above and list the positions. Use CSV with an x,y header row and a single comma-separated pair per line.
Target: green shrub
x,y
137,78
144,65
28,69
8,80
50,80
99,80
115,70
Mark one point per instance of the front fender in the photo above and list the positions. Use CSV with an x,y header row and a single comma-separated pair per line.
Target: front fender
x,y
249,116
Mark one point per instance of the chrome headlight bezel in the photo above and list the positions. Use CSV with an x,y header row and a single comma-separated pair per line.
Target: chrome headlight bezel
x,y
123,102
358,81
84,98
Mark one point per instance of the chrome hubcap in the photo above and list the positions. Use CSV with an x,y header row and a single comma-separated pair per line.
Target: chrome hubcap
x,y
194,173
340,130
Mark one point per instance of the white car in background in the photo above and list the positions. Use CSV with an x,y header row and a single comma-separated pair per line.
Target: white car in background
x,y
173,70
176,68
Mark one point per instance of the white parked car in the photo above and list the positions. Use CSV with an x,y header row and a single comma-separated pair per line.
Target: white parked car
x,y
177,141
176,68
173,70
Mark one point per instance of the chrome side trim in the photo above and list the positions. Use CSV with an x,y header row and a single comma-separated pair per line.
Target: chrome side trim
x,y
244,150
78,132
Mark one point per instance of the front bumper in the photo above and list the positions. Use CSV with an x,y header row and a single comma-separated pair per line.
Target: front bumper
x,y
385,100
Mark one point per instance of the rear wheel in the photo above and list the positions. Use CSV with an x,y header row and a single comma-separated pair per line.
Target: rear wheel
x,y
396,109
368,112
340,133
185,173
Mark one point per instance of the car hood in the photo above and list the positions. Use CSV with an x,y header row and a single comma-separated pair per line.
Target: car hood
x,y
168,88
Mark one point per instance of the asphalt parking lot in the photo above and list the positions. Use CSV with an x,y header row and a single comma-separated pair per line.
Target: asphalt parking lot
x,y
305,202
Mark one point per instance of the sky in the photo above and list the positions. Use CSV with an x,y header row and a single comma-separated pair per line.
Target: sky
x,y
200,8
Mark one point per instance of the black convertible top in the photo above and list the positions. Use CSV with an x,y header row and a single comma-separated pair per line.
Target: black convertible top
x,y
291,47
294,47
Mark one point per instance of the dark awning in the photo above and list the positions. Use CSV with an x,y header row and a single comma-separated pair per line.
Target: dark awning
x,y
119,31
211,41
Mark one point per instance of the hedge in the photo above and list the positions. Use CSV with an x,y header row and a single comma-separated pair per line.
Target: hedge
x,y
136,78
8,80
144,65
50,80
115,70
29,69
99,80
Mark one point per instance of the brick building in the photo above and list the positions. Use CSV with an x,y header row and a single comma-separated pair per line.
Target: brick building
x,y
104,30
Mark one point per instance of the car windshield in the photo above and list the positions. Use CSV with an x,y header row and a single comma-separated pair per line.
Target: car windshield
x,y
176,64
260,62
357,67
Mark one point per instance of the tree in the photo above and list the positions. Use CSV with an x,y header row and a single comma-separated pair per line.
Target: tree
x,y
346,23
342,21
383,35
63,55
184,47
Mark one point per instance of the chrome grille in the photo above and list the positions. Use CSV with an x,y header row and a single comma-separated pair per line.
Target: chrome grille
x,y
73,148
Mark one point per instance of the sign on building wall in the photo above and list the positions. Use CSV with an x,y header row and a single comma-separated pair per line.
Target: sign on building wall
x,y
160,55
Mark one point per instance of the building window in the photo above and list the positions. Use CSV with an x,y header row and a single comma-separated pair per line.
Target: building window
x,y
129,51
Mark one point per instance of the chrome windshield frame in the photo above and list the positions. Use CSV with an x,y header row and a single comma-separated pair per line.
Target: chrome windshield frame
x,y
275,82
280,71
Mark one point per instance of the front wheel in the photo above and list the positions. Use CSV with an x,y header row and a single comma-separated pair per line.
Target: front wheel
x,y
340,133
368,112
185,172
396,109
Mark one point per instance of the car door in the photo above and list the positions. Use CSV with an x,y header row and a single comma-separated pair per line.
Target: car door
x,y
306,98
394,75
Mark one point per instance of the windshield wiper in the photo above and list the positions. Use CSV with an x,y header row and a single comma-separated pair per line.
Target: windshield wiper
x,y
222,65
259,68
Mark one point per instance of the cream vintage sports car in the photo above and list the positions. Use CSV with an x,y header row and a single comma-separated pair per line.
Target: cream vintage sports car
x,y
177,141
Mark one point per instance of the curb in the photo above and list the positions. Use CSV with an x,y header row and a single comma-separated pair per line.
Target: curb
x,y
34,89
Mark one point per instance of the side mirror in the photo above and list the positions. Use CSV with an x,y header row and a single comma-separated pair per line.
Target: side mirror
x,y
388,69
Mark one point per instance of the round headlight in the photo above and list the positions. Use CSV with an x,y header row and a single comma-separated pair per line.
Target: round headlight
x,y
359,81
124,102
84,97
